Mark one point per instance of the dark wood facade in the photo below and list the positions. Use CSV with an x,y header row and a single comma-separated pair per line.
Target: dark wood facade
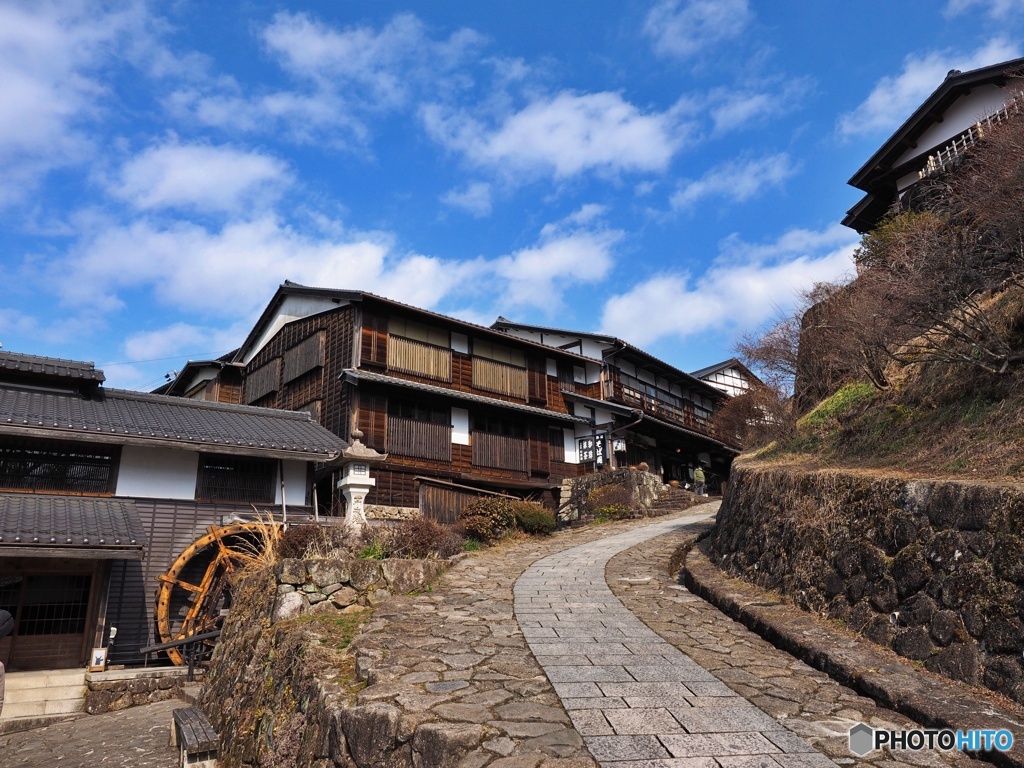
x,y
521,451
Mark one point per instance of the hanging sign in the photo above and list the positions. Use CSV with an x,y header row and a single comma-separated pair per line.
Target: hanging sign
x,y
591,449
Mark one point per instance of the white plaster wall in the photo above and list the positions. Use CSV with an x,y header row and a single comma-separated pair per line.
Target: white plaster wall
x,y
593,373
460,426
551,366
460,343
627,368
602,416
645,376
571,453
579,375
593,348
295,474
157,473
292,308
965,112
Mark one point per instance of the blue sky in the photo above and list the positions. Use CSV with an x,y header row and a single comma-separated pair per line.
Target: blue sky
x,y
668,171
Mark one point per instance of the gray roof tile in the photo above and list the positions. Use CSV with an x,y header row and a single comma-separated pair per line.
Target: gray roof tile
x,y
49,366
38,522
120,416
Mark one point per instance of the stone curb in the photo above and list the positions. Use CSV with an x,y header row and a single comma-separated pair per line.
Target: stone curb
x,y
852,662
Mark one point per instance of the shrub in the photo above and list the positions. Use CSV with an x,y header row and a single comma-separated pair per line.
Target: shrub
x,y
422,538
531,517
312,540
487,518
613,501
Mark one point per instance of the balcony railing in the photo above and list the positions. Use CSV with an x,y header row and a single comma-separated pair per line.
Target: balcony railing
x,y
498,377
950,153
416,357
681,415
419,439
500,452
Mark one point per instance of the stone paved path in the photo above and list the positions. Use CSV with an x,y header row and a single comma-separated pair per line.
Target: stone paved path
x,y
639,701
806,701
133,738
633,697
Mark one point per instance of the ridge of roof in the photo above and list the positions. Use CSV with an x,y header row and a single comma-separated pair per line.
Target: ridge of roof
x,y
953,81
50,366
288,287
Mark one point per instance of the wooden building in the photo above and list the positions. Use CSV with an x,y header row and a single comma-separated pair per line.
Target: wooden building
x,y
102,489
460,409
641,408
949,121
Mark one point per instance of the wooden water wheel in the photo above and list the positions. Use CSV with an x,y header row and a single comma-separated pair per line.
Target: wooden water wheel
x,y
195,590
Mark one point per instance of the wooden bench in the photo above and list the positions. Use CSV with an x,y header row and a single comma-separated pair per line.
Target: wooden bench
x,y
193,734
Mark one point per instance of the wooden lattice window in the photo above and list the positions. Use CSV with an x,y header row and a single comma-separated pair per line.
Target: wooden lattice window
x,y
236,478
58,467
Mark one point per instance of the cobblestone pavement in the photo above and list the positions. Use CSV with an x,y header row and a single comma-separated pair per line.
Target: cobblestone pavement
x,y
806,701
133,738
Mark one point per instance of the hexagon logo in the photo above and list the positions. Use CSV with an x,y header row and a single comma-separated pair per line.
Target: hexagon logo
x,y
862,739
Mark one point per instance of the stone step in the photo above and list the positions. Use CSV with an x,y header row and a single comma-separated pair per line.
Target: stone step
x,y
48,693
28,723
18,709
44,678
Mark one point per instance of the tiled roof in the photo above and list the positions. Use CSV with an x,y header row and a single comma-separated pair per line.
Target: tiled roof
x,y
380,378
55,526
119,416
49,366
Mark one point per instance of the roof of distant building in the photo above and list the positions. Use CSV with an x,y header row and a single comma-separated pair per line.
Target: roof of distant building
x,y
50,367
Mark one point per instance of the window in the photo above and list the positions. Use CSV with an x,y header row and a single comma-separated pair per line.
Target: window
x,y
236,478
499,353
410,329
496,425
58,467
408,409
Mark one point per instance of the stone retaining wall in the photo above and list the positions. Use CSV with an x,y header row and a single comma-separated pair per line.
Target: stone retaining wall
x,y
281,681
646,488
933,570
119,689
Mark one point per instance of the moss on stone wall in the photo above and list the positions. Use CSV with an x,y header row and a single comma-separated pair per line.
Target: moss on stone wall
x,y
933,570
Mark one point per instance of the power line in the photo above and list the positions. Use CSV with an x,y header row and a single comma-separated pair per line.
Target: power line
x,y
161,359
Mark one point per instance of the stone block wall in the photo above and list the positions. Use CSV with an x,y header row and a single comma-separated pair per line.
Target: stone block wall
x,y
325,586
646,488
933,570
280,686
119,689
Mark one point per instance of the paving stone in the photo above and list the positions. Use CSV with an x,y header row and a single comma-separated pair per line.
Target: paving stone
x,y
643,721
607,748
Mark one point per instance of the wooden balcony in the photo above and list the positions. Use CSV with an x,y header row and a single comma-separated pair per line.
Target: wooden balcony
x,y
683,416
419,359
419,439
505,379
501,452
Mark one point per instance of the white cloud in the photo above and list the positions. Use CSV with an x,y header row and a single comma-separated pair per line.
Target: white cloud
x,y
475,198
563,135
343,76
997,9
685,29
183,340
741,288
201,177
577,250
893,99
734,108
738,180
49,53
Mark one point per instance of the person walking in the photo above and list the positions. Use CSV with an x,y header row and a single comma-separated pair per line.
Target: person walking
x,y
698,481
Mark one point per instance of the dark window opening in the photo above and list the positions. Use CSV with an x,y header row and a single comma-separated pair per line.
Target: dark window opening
x,y
496,425
431,414
238,479
54,605
37,465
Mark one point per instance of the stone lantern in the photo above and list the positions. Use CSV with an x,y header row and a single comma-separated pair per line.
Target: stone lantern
x,y
355,480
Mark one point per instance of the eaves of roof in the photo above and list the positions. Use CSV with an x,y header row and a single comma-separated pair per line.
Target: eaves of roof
x,y
136,418
42,525
353,374
924,116
289,288
692,433
623,345
594,402
730,363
